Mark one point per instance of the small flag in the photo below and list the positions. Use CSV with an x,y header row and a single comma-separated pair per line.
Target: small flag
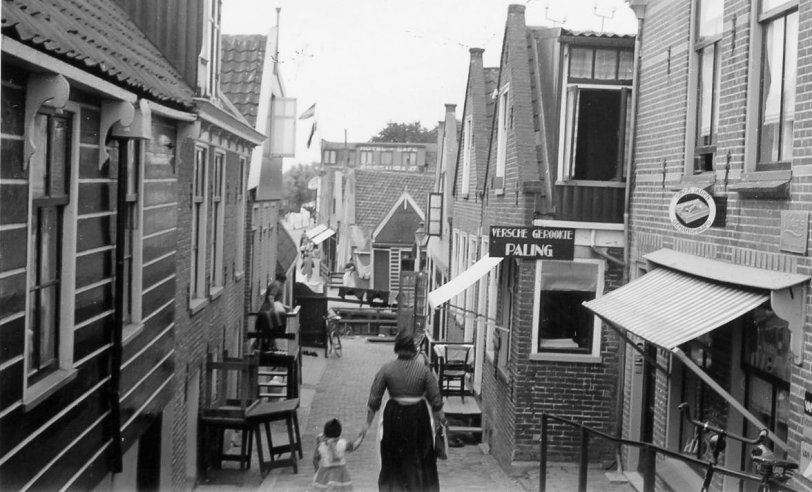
x,y
312,132
311,111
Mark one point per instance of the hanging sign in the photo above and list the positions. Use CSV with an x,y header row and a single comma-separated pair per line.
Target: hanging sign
x,y
539,243
692,210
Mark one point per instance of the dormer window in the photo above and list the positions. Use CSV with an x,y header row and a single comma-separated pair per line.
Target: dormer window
x,y
594,138
208,80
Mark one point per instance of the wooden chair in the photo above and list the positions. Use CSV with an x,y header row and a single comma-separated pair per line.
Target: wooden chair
x,y
454,366
228,395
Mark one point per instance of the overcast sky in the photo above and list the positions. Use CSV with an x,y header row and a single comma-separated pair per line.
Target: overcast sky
x,y
366,62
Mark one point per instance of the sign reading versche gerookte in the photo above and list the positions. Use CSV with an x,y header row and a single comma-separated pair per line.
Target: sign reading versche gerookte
x,y
541,243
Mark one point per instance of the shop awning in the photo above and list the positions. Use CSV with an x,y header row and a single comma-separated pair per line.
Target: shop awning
x,y
319,233
462,281
669,308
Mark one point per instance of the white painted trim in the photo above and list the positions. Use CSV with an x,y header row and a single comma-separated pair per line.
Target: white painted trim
x,y
595,354
606,226
97,180
404,197
12,227
92,320
160,205
147,375
5,365
79,473
158,310
17,404
170,113
11,273
95,250
149,345
9,181
94,354
95,215
94,285
155,234
158,283
162,257
14,316
8,136
81,78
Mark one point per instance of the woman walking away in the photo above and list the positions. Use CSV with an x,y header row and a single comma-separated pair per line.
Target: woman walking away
x,y
408,460
329,460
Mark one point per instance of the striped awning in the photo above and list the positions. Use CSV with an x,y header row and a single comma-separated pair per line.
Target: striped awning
x,y
669,307
462,281
319,233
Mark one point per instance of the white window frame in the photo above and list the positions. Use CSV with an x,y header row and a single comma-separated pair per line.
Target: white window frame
x,y
330,156
239,255
366,157
217,202
470,292
467,150
754,85
595,353
139,154
65,371
694,75
502,127
209,57
283,127
493,296
197,274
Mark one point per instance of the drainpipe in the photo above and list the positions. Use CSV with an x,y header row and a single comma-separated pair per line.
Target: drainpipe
x,y
639,8
118,313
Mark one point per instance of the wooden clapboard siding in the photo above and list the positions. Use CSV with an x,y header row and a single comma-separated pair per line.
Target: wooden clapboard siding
x,y
11,388
158,296
43,447
159,192
160,219
18,424
93,302
15,203
12,338
96,197
94,232
92,336
135,370
156,272
132,403
154,325
94,267
12,294
159,244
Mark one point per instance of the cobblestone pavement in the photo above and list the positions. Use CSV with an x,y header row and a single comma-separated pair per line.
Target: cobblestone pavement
x,y
339,388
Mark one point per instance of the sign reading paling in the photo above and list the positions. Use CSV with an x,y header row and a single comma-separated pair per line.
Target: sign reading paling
x,y
541,243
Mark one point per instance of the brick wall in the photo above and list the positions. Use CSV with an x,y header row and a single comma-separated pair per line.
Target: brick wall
x,y
218,325
752,231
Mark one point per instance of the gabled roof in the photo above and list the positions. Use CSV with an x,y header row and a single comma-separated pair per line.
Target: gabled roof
x,y
376,192
98,37
242,63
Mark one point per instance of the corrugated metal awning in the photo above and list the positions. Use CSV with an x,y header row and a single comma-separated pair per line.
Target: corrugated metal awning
x,y
669,308
462,281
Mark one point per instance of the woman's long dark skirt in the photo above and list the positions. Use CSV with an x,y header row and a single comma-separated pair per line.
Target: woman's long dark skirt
x,y
408,461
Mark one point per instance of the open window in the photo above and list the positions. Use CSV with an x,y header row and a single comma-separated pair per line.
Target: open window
x,y
596,114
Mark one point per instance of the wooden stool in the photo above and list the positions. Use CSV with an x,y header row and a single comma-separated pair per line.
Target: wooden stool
x,y
267,412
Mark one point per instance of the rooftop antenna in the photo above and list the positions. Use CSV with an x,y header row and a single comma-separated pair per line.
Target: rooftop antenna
x,y
556,22
604,15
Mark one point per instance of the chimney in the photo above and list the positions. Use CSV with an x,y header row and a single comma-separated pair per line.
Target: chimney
x,y
450,109
476,53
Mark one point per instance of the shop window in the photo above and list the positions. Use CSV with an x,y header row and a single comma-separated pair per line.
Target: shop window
x,y
775,57
561,324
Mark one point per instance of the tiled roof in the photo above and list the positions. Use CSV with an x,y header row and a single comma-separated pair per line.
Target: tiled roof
x,y
242,63
377,191
98,37
595,34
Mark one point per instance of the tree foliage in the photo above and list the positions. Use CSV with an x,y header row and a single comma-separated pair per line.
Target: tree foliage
x,y
295,181
406,132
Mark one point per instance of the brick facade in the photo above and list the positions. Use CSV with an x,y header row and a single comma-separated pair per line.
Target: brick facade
x,y
752,232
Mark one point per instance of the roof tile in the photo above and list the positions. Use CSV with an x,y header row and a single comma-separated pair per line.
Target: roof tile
x,y
376,192
242,64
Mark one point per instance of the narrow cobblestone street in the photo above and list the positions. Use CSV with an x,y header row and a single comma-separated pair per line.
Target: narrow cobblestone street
x,y
339,388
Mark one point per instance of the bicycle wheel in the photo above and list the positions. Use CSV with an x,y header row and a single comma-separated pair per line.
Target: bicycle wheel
x,y
336,344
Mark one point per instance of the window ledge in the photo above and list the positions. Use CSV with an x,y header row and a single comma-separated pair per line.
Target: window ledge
x,y
705,181
37,393
197,304
765,184
238,276
498,191
130,332
565,357
216,292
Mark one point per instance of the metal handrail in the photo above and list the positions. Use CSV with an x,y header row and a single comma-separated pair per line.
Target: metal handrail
x,y
652,449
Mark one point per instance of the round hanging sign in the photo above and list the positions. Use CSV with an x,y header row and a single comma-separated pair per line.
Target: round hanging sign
x,y
692,210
